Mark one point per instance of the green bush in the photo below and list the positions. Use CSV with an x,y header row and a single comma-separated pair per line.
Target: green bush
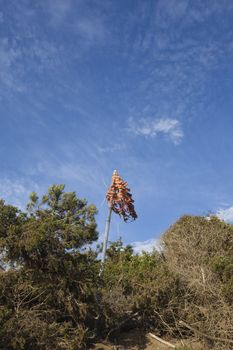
x,y
47,294
51,296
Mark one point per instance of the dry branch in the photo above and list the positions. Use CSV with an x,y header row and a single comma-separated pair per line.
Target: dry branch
x,y
161,340
223,340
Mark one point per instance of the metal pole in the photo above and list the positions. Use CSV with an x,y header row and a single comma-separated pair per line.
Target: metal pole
x,y
106,233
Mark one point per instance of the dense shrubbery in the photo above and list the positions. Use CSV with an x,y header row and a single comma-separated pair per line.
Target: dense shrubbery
x,y
138,285
200,251
52,298
47,296
185,290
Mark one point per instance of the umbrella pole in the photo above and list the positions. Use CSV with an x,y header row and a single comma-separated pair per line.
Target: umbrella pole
x,y
106,233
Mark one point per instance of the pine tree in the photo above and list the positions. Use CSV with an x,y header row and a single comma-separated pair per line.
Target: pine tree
x,y
47,292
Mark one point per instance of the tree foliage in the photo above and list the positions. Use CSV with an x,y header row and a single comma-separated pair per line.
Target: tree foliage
x,y
47,295
51,295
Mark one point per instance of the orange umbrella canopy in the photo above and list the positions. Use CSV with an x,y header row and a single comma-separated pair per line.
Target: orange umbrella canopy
x,y
120,198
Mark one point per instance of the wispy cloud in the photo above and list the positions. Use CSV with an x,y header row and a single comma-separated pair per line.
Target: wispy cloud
x,y
18,60
16,192
176,62
153,127
58,10
90,29
146,246
71,172
225,214
44,53
88,23
9,54
8,188
63,170
111,148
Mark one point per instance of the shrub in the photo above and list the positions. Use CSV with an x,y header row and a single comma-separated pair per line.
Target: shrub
x,y
200,251
47,295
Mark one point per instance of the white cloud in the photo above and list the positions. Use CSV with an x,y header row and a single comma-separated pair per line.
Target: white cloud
x,y
146,246
71,172
112,148
225,214
175,68
9,55
58,10
152,127
16,192
16,59
91,29
8,187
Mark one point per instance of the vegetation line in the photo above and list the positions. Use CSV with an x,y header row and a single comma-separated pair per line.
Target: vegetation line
x,y
52,297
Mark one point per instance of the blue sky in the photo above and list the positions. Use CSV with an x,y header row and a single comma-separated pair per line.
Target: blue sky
x,y
144,87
